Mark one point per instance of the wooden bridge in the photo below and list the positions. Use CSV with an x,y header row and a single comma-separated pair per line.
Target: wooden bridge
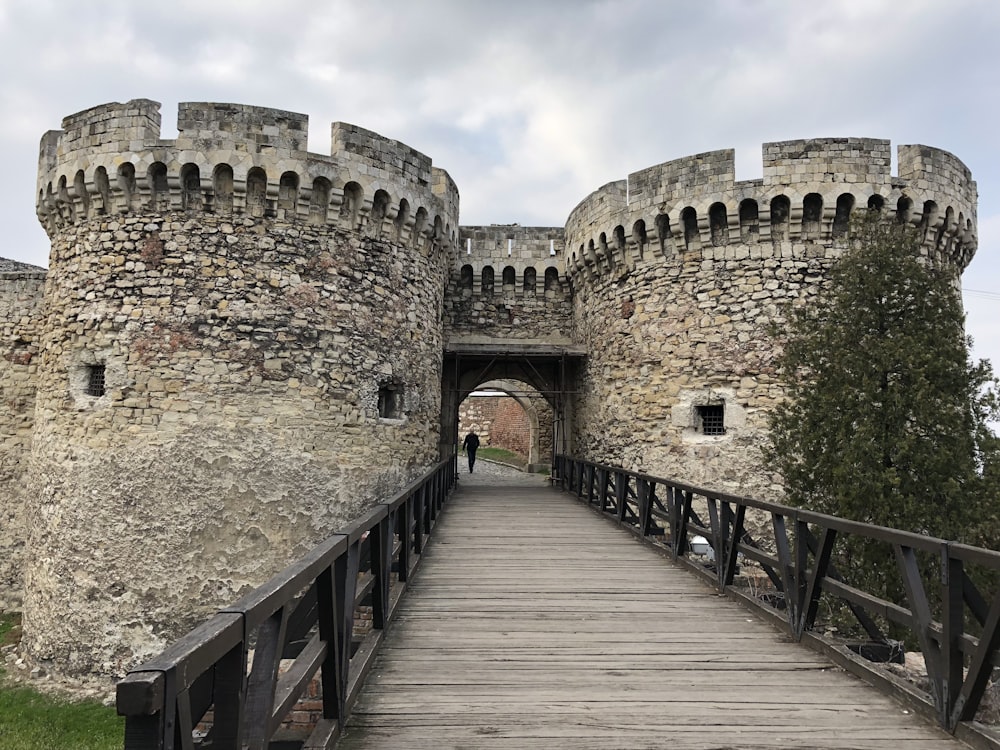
x,y
533,623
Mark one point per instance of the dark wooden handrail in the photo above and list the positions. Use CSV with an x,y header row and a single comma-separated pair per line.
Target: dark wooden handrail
x,y
798,558
302,620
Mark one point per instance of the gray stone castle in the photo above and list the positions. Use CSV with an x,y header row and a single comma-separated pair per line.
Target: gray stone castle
x,y
239,344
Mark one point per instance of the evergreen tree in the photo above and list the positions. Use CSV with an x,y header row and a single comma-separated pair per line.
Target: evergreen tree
x,y
886,419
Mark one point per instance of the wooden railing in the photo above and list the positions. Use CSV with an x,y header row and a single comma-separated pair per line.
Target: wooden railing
x,y
297,624
956,626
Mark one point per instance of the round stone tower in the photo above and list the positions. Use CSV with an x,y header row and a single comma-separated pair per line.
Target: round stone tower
x,y
679,270
242,347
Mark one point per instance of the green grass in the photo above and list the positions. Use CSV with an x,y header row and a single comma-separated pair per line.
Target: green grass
x,y
500,454
29,719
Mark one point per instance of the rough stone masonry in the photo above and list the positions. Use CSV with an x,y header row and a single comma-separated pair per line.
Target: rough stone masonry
x,y
238,343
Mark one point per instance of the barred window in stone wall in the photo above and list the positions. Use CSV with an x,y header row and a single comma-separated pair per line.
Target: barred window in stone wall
x,y
712,419
96,383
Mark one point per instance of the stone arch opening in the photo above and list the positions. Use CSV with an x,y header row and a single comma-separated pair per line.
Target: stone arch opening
x,y
319,201
103,186
749,220
351,206
511,415
190,187
718,222
552,281
639,239
288,192
619,241
80,188
509,279
530,281
904,207
780,209
159,187
222,190
380,208
126,185
689,218
256,192
842,216
465,281
812,216
419,223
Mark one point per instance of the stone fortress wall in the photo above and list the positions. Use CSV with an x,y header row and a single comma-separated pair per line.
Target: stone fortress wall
x,y
21,288
508,282
678,271
236,360
240,343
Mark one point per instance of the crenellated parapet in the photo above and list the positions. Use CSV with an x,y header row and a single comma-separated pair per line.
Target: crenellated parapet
x,y
232,160
516,258
507,281
807,193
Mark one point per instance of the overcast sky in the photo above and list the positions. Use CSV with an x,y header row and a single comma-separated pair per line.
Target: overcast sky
x,y
529,104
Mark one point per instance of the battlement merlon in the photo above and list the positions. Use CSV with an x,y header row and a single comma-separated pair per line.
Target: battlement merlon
x,y
711,171
858,160
109,129
380,152
210,125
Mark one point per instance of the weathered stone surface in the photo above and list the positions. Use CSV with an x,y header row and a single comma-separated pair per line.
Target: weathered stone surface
x,y
21,289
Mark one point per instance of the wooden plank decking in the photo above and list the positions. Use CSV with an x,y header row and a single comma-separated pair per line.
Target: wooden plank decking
x,y
532,623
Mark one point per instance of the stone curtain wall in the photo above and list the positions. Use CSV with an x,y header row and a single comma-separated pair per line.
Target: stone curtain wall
x,y
508,282
678,271
21,289
267,322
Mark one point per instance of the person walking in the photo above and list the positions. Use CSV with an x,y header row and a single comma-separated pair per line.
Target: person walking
x,y
470,445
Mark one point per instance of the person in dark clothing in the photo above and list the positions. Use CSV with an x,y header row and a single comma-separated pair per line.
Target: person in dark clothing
x,y
470,445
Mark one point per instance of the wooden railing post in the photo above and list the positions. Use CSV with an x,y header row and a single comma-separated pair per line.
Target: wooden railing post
x,y
142,700
952,629
733,543
644,496
263,676
602,489
787,569
404,531
621,495
419,498
229,691
345,585
381,543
